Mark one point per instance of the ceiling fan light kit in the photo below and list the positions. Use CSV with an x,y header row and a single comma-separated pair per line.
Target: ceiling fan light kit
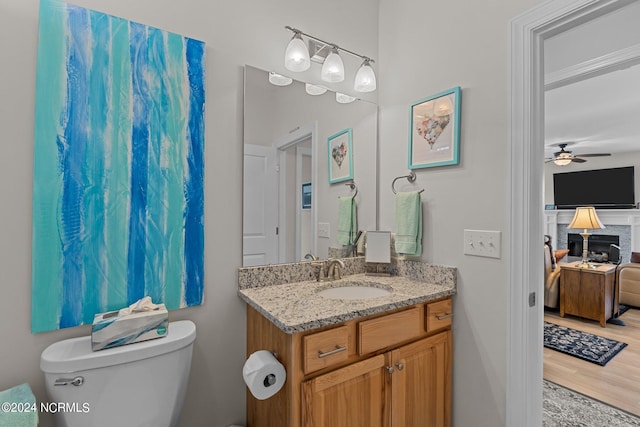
x,y
565,157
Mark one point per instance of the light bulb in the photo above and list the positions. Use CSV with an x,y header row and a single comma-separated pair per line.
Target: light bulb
x,y
333,67
296,57
365,80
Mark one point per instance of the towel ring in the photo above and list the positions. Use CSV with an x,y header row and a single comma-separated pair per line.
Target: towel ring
x,y
411,178
353,186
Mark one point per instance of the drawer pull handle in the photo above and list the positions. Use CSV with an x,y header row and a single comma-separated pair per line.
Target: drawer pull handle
x,y
338,349
444,316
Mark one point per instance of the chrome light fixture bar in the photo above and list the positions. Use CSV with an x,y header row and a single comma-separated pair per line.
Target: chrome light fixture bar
x,y
297,59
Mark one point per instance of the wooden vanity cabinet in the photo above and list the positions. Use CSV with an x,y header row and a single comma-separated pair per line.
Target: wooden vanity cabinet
x,y
404,382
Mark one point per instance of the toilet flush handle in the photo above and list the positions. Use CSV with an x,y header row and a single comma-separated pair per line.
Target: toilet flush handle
x,y
73,381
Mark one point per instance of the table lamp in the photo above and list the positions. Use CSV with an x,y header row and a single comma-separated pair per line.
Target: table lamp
x,y
585,218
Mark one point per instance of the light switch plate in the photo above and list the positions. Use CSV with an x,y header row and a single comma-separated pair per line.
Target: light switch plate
x,y
485,243
324,230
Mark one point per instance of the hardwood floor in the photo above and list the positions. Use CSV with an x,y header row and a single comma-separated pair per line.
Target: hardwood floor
x,y
617,383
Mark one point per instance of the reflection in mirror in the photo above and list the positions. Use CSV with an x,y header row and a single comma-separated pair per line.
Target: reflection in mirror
x,y
290,209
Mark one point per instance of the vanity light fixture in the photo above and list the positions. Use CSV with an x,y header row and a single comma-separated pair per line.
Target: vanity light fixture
x,y
365,78
314,89
296,57
344,99
279,79
332,67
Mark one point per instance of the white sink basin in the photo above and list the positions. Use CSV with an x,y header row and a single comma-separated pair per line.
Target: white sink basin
x,y
354,291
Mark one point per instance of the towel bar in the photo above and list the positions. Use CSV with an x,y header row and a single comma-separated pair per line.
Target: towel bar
x,y
411,178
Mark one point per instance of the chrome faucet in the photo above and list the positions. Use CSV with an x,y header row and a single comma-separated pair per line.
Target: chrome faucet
x,y
333,268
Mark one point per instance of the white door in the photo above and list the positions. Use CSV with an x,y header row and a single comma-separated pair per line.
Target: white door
x,y
260,218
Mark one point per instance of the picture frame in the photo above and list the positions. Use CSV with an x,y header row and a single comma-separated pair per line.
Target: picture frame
x,y
434,130
340,156
306,195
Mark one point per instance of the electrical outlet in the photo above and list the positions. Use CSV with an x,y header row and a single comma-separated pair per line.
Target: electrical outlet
x,y
483,243
324,230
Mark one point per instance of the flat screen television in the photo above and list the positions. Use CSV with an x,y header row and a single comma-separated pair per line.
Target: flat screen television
x,y
612,188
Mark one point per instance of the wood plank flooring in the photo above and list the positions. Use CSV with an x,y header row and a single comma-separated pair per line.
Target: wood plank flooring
x,y
617,383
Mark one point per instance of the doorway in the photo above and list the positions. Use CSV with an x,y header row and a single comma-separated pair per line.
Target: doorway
x,y
526,136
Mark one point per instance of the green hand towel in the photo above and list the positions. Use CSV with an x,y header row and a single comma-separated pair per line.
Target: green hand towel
x,y
409,223
26,411
347,220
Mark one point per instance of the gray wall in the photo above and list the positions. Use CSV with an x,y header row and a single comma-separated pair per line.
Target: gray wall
x,y
427,47
236,33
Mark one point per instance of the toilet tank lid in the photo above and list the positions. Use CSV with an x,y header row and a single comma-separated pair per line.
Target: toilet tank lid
x,y
75,354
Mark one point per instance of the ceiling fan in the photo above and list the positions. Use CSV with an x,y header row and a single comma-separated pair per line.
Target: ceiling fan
x,y
564,157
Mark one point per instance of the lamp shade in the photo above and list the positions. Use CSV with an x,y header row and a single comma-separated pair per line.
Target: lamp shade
x,y
586,217
343,98
365,78
296,57
314,89
333,67
279,79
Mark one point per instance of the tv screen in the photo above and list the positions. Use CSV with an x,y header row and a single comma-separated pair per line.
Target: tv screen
x,y
612,188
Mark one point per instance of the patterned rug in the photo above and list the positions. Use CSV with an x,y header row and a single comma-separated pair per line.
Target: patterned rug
x,y
562,407
583,345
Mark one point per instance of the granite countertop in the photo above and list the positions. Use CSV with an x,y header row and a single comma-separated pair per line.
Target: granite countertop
x,y
296,307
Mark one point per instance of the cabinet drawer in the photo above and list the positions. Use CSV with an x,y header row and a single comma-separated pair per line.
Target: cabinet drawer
x,y
325,348
439,315
382,332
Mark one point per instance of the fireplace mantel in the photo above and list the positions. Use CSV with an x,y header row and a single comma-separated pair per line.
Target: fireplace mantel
x,y
628,217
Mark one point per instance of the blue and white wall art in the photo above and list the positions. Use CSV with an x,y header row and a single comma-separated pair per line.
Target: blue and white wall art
x,y
118,198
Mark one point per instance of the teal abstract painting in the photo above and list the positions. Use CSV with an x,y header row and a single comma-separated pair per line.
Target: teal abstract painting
x,y
118,197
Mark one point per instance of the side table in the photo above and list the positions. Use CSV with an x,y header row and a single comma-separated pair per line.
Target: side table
x,y
588,292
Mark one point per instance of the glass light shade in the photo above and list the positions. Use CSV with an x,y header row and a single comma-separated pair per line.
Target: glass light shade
x,y
365,80
314,90
333,68
443,106
563,159
296,57
279,79
344,99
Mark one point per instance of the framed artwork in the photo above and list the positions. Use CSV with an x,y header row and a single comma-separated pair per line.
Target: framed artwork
x,y
434,130
306,195
340,156
118,192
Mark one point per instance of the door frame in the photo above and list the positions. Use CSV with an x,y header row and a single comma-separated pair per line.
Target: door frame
x,y
301,134
526,135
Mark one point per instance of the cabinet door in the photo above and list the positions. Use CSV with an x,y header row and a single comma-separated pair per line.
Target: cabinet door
x,y
421,383
353,396
570,292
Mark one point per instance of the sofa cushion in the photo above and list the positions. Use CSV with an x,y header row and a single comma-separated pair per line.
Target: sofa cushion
x,y
635,257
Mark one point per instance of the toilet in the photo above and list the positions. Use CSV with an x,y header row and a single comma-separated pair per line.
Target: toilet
x,y
140,384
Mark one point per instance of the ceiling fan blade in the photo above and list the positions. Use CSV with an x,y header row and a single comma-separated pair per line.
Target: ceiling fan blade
x,y
578,160
593,155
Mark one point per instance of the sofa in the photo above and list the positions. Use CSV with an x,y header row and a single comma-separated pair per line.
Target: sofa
x,y
628,279
551,278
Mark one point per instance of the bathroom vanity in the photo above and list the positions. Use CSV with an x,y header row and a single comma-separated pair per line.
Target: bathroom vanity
x,y
375,361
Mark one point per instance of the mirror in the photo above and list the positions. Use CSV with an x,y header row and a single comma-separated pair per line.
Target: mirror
x,y
290,209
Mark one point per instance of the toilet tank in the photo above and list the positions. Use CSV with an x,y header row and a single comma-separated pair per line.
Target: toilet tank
x,y
140,384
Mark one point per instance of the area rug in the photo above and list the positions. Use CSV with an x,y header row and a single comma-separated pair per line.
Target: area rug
x,y
562,407
583,345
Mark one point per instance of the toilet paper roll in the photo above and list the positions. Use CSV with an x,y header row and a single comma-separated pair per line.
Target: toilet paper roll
x,y
263,374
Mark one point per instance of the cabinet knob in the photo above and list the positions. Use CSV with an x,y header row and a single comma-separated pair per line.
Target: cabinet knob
x,y
390,369
400,366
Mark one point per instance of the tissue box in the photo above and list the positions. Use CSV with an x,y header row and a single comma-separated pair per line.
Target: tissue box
x,y
116,328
